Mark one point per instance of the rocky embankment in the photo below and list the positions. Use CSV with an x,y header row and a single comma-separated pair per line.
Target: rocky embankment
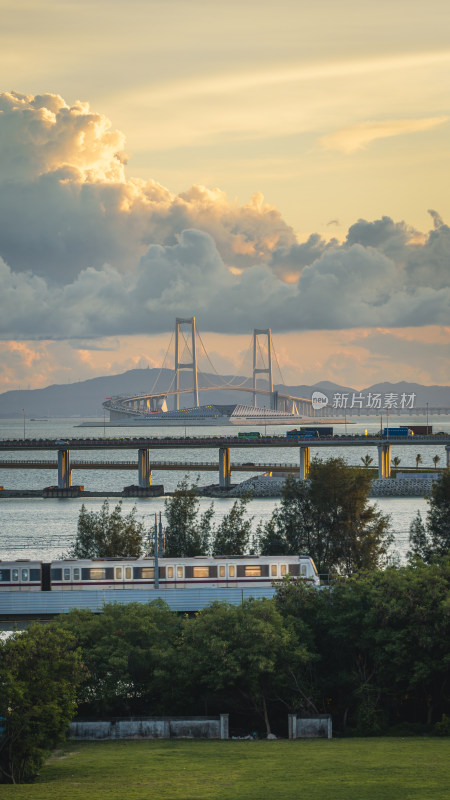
x,y
272,487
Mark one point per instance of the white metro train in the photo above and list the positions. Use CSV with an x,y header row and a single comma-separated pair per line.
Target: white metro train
x,y
201,572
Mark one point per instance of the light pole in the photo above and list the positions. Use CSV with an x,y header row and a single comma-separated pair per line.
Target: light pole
x,y
23,422
427,421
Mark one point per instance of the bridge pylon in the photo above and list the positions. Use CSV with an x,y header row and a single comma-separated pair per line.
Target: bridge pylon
x,y
267,370
179,365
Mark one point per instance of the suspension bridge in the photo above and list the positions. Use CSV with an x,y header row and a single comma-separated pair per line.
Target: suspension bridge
x,y
147,404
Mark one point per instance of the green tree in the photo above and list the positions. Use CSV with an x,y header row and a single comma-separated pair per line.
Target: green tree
x,y
105,534
329,518
239,653
419,540
128,651
396,461
232,536
39,673
379,645
187,532
367,460
436,460
433,539
418,460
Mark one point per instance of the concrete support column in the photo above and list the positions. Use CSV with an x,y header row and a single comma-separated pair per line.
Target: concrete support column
x,y
64,470
384,461
224,467
145,473
305,458
447,456
224,726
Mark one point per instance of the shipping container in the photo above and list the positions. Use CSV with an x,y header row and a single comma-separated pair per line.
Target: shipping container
x,y
420,430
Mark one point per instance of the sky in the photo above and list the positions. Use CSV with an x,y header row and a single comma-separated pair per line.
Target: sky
x,y
255,164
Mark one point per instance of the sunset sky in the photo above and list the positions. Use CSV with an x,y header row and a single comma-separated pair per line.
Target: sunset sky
x,y
254,164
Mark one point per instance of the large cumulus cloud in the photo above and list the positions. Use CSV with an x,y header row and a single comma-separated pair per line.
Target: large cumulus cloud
x,y
87,251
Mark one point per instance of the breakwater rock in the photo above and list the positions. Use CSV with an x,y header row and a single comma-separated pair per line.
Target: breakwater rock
x,y
390,487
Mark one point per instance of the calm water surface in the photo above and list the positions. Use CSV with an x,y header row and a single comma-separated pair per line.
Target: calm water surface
x,y
44,529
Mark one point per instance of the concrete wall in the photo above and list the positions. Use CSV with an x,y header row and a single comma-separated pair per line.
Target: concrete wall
x,y
310,727
151,728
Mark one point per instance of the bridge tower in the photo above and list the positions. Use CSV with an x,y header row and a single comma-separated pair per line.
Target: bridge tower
x,y
267,370
179,365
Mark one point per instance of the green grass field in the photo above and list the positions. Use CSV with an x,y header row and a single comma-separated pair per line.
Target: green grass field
x,y
341,769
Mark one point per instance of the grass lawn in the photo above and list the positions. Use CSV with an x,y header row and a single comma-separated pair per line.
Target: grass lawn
x,y
341,769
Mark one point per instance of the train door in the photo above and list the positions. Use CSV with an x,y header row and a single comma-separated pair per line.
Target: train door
x,y
45,578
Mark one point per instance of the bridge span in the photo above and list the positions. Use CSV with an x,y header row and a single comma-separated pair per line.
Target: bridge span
x,y
224,445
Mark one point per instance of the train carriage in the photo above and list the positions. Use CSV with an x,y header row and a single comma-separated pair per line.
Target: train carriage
x,y
22,575
201,572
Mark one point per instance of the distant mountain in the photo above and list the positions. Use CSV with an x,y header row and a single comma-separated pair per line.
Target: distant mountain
x,y
85,398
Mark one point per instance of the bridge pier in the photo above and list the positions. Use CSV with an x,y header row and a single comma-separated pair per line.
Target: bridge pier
x,y
64,469
447,456
224,467
384,461
305,460
144,470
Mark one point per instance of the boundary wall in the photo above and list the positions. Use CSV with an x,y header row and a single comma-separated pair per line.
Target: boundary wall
x,y
151,728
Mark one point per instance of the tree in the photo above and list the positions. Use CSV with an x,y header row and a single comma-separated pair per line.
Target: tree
x,y
238,652
396,461
39,673
186,534
366,460
232,537
433,539
436,460
105,534
419,540
388,633
128,652
418,460
328,517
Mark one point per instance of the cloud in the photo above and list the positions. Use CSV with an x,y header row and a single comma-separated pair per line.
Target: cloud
x,y
66,203
87,252
358,137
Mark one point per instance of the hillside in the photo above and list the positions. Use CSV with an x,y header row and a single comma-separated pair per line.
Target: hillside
x,y
85,398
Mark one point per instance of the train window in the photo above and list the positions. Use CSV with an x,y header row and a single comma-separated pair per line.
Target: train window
x,y
35,574
170,572
273,570
128,573
179,572
231,571
303,569
66,573
145,572
201,572
118,573
5,575
15,574
76,573
252,571
98,573
221,571
283,569
56,574
24,574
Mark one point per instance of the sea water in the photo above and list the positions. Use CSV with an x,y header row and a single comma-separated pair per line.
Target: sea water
x,y
46,529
